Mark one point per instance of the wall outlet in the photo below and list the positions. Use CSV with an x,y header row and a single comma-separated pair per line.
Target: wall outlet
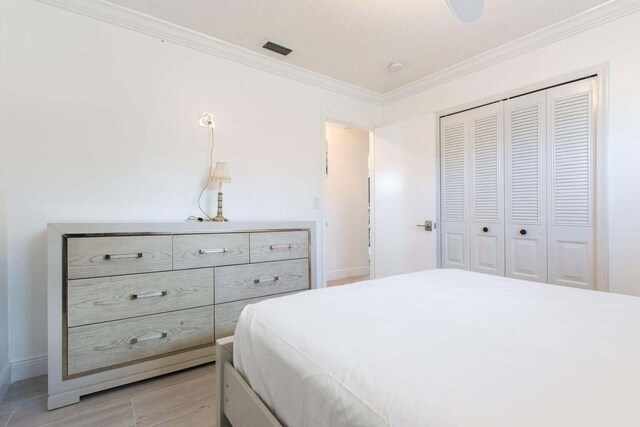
x,y
206,120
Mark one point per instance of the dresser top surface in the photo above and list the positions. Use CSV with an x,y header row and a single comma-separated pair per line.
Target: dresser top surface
x,y
175,227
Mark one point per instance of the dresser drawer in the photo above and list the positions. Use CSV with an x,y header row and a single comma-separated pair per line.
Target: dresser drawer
x,y
227,314
104,299
275,246
110,256
210,250
256,280
108,344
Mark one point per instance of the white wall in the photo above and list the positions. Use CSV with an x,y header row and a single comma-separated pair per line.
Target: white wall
x,y
347,202
100,124
4,318
618,44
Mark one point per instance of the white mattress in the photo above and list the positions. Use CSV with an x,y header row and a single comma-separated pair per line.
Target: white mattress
x,y
445,348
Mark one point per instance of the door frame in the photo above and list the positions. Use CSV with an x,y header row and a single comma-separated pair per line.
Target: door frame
x,y
324,208
601,71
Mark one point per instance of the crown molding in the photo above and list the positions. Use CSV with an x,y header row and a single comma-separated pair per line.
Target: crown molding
x,y
586,20
136,21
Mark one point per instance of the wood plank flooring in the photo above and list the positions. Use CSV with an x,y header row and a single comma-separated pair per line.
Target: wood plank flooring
x,y
185,398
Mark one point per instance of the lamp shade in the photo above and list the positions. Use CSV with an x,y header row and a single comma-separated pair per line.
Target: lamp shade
x,y
221,173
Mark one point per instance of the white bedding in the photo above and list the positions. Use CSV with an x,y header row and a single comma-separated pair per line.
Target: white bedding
x,y
445,348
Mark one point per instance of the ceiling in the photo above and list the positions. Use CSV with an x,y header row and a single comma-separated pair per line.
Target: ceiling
x,y
355,40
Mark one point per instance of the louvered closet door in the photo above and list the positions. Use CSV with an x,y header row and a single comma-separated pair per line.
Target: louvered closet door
x,y
454,145
486,233
525,187
571,136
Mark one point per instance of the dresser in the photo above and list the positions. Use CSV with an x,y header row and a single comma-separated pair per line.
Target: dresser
x,y
131,301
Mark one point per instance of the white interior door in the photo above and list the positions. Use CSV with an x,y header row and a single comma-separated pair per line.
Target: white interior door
x,y
486,232
525,185
405,190
571,136
454,136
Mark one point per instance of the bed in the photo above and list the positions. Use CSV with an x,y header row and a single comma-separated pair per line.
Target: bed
x,y
434,348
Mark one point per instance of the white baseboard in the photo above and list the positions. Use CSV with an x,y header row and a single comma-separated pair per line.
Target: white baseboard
x,y
5,378
347,272
29,367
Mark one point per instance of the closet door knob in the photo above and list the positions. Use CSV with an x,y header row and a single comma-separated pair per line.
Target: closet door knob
x,y
523,231
485,229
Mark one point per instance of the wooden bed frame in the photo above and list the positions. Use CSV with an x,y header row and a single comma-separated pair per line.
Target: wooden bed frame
x,y
237,404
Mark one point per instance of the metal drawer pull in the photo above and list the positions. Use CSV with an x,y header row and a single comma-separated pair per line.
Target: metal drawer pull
x,y
285,246
258,281
149,337
123,256
213,251
150,295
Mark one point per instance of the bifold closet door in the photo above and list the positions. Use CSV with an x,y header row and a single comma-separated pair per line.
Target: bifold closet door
x,y
526,187
454,146
571,179
486,228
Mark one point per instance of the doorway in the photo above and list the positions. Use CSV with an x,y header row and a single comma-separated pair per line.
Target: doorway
x,y
348,204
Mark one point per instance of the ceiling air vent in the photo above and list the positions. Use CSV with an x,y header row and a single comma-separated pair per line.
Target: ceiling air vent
x,y
273,47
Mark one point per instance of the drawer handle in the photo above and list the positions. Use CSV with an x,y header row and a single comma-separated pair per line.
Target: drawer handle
x,y
258,281
213,251
150,295
148,337
123,256
285,246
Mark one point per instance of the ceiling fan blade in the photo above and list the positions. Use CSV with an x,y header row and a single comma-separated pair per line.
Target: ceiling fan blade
x,y
466,10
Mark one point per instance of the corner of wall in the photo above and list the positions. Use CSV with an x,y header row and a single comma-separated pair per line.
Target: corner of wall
x,y
30,367
5,365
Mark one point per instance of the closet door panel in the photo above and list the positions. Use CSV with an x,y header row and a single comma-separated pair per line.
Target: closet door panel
x,y
571,136
525,258
525,187
454,145
486,143
455,248
571,258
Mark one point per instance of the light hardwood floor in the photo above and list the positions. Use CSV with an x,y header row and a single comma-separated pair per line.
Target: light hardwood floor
x,y
185,398
347,280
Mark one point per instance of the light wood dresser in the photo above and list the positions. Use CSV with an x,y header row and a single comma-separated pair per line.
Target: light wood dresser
x,y
132,301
